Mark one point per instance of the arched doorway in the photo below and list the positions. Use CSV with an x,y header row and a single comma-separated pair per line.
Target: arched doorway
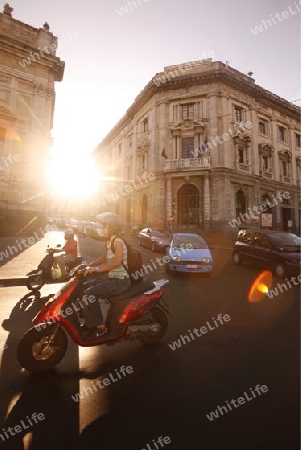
x,y
240,203
144,207
188,206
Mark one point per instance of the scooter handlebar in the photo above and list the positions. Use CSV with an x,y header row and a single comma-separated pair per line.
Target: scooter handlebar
x,y
54,250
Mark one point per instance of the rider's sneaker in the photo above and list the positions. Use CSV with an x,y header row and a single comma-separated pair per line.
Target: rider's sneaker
x,y
95,332
101,330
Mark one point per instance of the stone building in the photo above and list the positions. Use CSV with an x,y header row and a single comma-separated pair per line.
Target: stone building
x,y
221,152
29,69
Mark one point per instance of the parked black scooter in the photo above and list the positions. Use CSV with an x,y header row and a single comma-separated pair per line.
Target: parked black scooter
x,y
45,273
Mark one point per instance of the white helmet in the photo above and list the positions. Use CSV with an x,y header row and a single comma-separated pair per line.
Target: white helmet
x,y
69,234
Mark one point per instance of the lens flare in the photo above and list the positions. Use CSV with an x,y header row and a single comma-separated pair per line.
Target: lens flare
x,y
260,286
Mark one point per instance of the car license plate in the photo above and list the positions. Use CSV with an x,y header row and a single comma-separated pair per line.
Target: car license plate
x,y
191,266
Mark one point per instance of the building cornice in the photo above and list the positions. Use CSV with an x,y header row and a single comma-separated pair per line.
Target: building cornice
x,y
216,72
21,50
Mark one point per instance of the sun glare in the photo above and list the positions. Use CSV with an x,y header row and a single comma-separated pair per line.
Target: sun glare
x,y
260,287
72,177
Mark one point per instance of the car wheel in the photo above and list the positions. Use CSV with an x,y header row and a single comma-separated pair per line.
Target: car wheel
x,y
280,270
153,247
236,258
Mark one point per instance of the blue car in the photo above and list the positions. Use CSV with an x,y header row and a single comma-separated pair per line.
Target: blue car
x,y
188,252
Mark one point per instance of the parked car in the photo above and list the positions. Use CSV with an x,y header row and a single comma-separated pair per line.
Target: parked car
x,y
188,252
94,230
277,251
153,238
82,227
72,223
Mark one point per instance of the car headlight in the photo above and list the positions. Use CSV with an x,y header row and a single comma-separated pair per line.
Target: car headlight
x,y
206,260
176,258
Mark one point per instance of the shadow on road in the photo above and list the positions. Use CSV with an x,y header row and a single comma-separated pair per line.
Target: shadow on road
x,y
22,393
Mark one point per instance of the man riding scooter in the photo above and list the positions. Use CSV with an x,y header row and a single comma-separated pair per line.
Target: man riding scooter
x,y
71,253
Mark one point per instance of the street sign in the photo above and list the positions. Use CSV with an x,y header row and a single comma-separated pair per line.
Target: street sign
x,y
267,220
171,218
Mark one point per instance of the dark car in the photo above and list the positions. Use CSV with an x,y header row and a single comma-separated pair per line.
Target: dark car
x,y
274,250
153,238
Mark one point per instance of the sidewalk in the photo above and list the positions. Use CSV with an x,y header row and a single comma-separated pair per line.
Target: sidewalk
x,y
21,262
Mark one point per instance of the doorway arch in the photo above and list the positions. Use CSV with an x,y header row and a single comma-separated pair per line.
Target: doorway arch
x,y
188,206
240,203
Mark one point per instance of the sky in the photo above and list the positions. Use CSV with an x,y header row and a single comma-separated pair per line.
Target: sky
x,y
113,48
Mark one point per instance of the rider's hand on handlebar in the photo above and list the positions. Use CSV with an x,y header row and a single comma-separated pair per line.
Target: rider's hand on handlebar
x,y
90,270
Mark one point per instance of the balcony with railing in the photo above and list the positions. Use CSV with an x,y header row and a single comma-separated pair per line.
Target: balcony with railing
x,y
187,163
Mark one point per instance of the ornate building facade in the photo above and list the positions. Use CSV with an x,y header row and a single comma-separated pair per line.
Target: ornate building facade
x,y
29,69
221,152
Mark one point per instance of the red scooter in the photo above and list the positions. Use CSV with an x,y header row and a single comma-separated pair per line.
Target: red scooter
x,y
139,313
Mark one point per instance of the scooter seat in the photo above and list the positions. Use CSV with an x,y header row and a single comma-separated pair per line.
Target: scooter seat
x,y
134,290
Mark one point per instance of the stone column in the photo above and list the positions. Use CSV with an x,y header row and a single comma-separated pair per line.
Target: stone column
x,y
168,197
176,135
174,150
236,160
206,202
249,153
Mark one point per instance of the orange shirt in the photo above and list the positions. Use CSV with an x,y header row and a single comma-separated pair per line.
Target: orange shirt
x,y
71,248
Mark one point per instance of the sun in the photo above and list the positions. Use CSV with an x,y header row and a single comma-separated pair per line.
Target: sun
x,y
73,177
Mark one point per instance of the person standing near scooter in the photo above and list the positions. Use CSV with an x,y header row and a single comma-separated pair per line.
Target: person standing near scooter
x,y
113,264
71,252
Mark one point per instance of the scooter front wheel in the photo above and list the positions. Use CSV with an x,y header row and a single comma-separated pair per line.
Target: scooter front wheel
x,y
38,351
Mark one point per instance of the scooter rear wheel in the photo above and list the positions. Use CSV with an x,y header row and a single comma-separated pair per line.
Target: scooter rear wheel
x,y
35,353
35,282
160,317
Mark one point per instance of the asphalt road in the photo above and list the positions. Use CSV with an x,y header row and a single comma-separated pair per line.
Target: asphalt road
x,y
169,393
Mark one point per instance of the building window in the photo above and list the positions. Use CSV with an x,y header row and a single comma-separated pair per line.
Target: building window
x,y
298,140
265,163
241,155
187,111
145,125
142,161
238,113
187,147
130,140
263,126
284,168
281,133
129,172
